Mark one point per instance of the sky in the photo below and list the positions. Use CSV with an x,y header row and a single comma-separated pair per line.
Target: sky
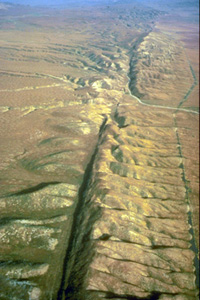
x,y
52,2
83,2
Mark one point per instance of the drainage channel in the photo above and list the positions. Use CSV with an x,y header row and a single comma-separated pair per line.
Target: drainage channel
x,y
193,246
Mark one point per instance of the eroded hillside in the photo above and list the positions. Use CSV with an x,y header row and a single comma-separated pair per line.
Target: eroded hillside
x,y
99,156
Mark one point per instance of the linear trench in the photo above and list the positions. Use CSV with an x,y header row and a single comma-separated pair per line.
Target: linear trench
x,y
84,218
189,213
185,98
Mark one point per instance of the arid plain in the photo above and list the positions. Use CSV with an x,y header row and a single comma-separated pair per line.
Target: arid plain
x,y
99,153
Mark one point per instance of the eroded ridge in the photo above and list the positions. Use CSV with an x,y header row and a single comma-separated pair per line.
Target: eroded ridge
x,y
160,73
140,242
99,188
54,98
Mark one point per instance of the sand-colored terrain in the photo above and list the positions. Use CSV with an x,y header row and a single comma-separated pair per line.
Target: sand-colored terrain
x,y
98,154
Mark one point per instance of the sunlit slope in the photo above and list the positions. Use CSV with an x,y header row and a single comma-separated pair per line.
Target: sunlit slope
x,y
98,187
160,71
140,244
